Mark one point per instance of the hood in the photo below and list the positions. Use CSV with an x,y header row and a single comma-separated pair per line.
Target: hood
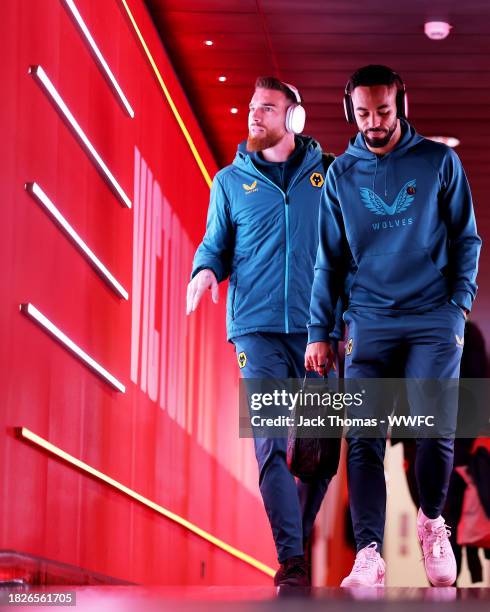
x,y
357,146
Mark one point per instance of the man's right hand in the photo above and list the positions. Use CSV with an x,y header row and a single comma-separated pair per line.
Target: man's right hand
x,y
320,357
204,280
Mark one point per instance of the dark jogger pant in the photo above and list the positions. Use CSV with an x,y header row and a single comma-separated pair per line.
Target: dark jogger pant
x,y
290,505
413,346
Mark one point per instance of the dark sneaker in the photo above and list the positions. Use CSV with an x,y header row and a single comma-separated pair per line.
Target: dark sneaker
x,y
292,573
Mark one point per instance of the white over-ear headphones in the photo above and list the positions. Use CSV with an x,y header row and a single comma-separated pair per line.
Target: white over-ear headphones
x,y
295,115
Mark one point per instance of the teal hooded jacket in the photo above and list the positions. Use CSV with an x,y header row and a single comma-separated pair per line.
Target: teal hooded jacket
x,y
265,241
397,232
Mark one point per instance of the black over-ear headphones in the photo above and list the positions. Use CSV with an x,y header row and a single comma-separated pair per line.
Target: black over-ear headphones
x,y
401,100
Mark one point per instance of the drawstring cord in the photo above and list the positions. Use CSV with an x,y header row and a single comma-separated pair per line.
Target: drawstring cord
x,y
376,172
386,175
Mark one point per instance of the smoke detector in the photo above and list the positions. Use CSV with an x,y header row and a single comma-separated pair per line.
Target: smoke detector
x,y
437,30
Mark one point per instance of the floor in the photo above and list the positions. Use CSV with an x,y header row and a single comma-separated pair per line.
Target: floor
x,y
245,599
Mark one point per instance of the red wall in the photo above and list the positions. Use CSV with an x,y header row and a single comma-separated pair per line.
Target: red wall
x,y
173,435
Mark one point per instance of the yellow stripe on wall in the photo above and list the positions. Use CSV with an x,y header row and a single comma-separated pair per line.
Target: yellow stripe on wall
x,y
51,448
166,93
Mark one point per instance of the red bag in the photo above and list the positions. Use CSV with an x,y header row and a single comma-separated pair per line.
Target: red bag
x,y
474,525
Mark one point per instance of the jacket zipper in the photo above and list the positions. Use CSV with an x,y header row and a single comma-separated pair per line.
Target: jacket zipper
x,y
286,273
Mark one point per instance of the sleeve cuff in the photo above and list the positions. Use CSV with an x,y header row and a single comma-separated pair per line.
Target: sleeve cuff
x,y
462,299
318,333
214,269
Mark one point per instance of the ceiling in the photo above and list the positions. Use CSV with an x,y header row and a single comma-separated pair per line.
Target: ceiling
x,y
316,45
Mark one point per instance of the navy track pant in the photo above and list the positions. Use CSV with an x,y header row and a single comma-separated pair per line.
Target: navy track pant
x,y
291,505
423,345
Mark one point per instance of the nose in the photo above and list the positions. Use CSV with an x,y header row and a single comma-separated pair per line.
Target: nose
x,y
374,121
254,115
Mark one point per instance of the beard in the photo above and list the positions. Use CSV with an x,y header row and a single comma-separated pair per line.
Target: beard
x,y
379,143
264,141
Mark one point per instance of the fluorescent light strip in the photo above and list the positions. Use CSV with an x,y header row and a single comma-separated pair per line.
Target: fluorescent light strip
x,y
35,190
166,93
43,79
32,312
51,448
101,61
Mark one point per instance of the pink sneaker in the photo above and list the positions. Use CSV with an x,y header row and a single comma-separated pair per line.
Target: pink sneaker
x,y
368,570
440,564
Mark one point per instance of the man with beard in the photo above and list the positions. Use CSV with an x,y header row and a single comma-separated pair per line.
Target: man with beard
x,y
262,234
397,227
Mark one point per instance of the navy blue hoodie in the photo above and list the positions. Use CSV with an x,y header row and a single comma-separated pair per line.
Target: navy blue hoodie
x,y
397,232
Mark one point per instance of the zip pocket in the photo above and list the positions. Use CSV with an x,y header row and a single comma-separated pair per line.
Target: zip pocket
x,y
233,298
